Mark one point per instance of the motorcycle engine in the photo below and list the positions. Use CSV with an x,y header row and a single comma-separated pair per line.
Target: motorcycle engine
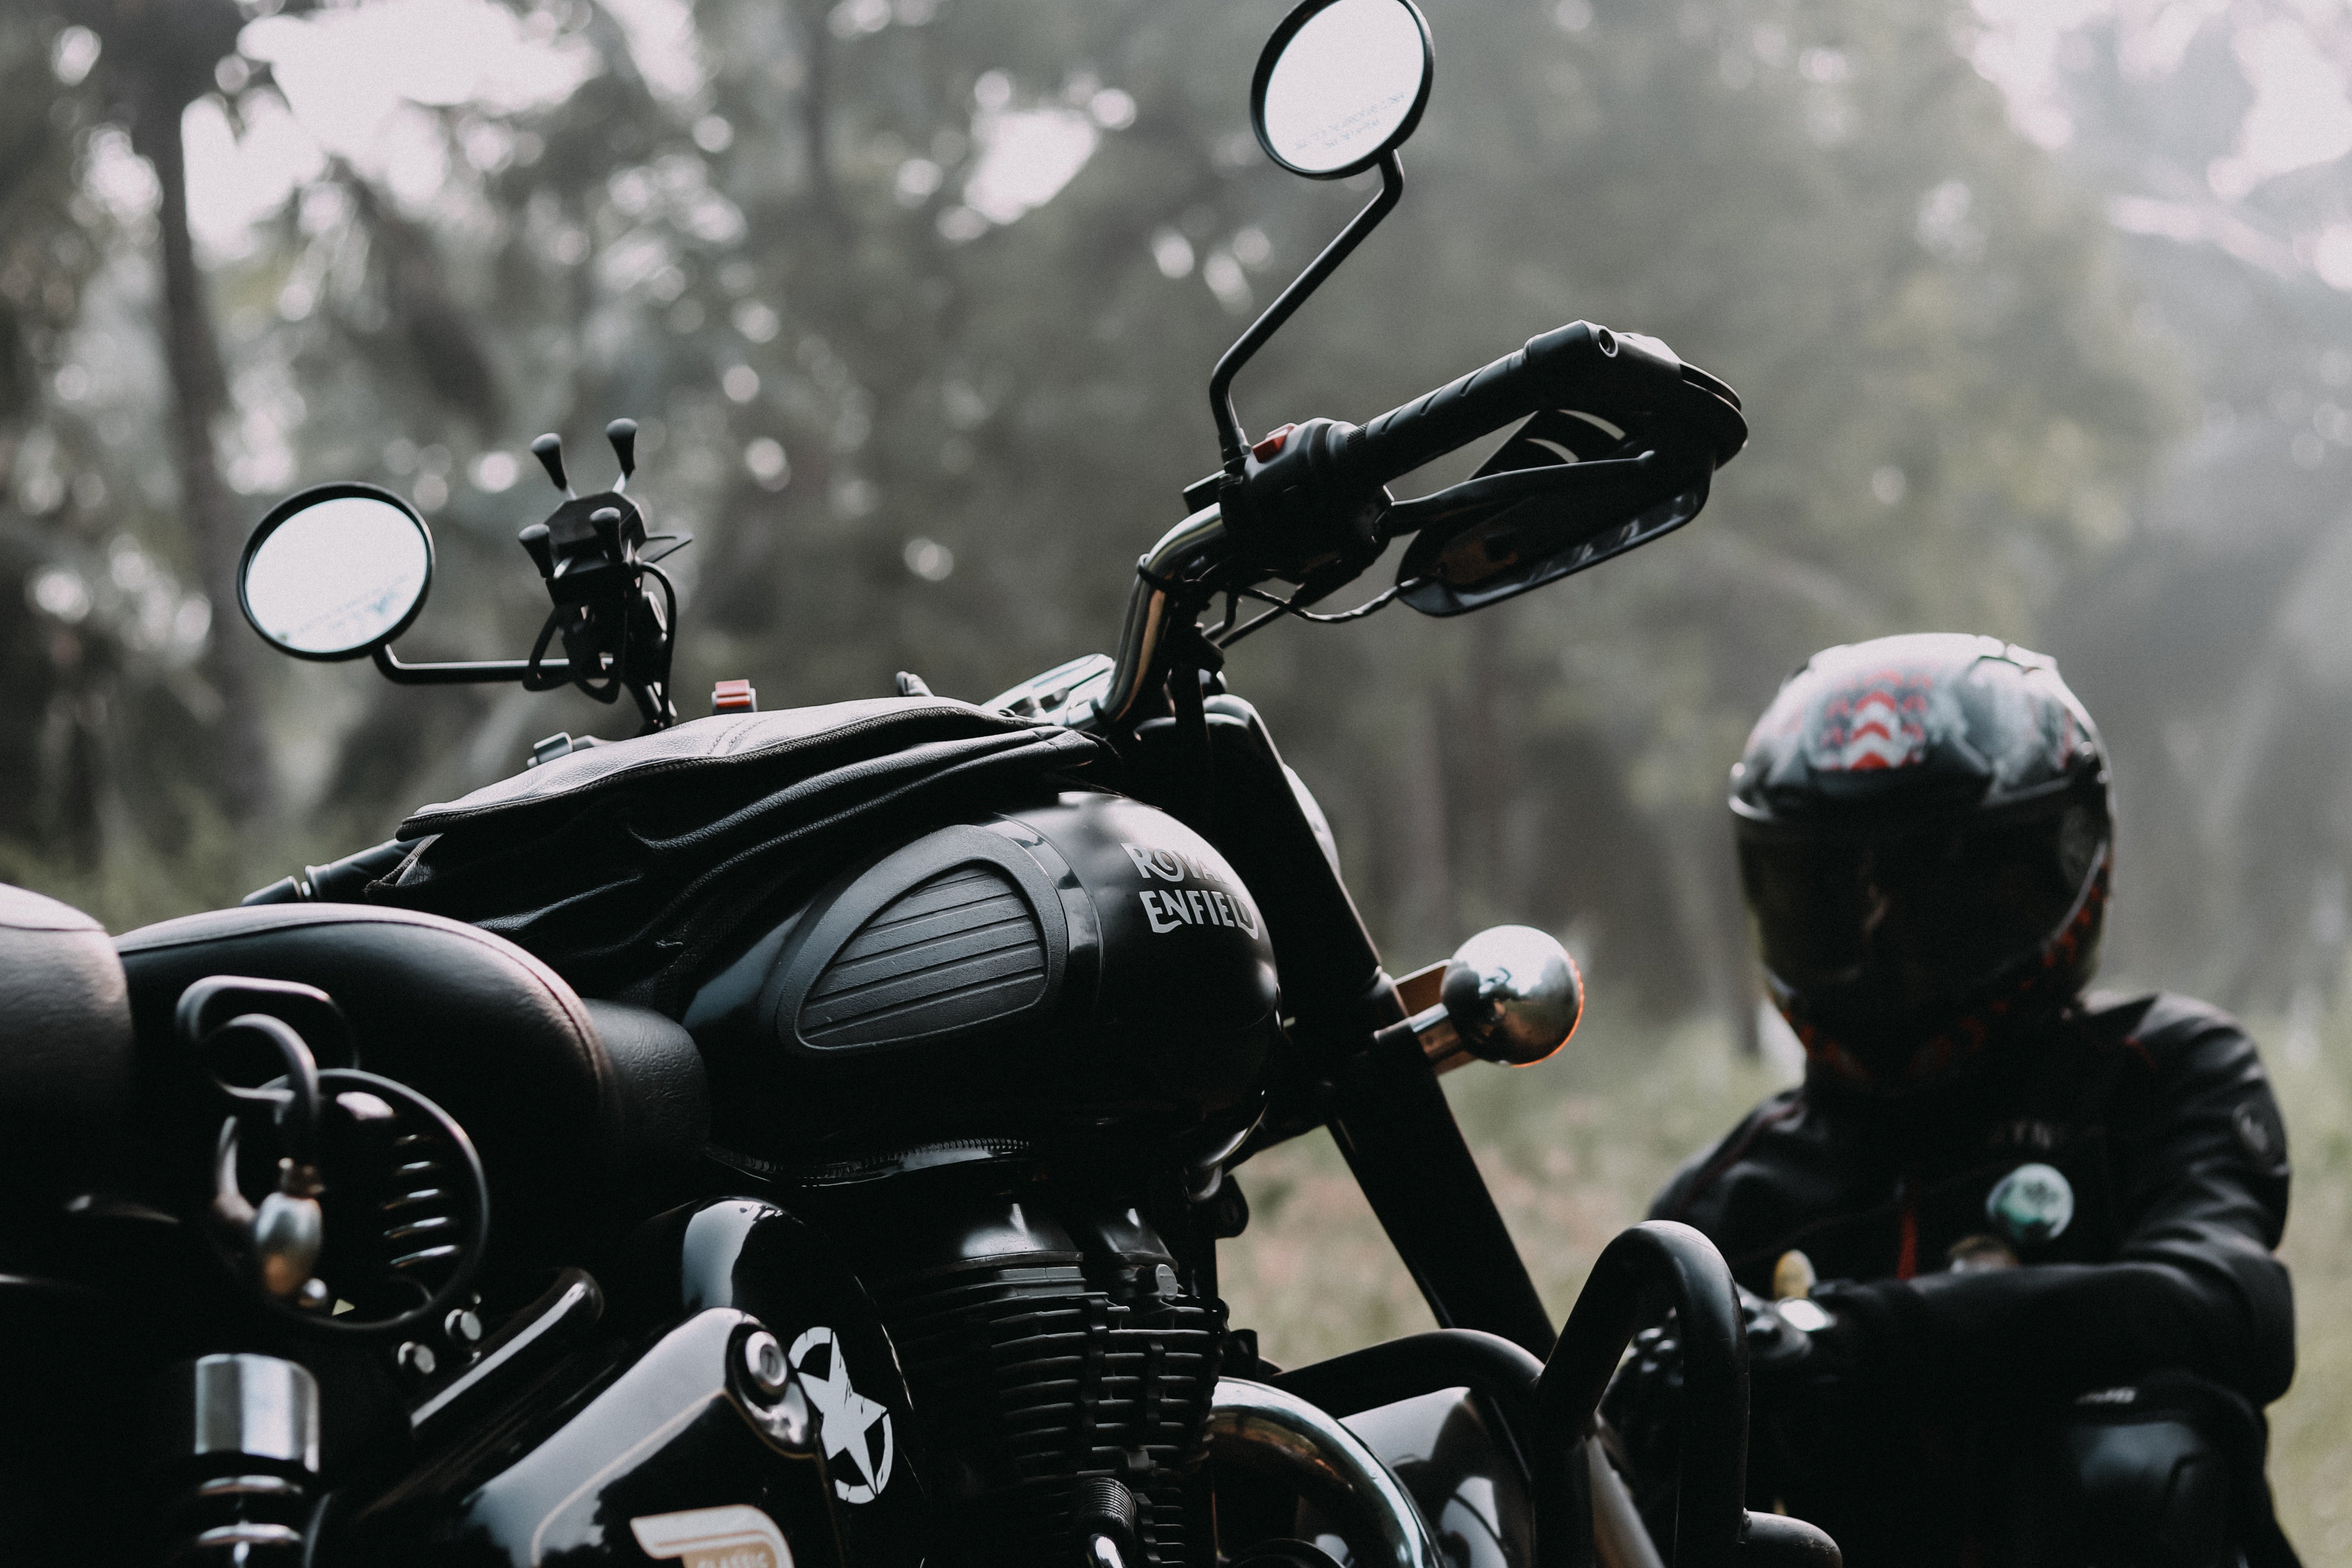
x,y
982,1056
1048,1342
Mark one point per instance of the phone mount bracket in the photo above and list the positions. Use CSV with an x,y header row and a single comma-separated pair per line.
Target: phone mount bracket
x,y
593,554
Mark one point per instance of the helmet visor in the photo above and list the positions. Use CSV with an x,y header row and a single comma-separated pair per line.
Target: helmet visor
x,y
1917,920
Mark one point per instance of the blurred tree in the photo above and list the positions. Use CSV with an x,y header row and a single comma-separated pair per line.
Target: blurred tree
x,y
1826,206
2212,644
96,632
156,57
96,173
916,300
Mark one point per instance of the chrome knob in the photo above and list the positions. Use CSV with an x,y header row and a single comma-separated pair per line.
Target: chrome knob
x,y
764,1362
1513,994
288,1231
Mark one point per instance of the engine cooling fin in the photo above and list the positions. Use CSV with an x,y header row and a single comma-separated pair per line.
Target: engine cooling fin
x,y
1031,1379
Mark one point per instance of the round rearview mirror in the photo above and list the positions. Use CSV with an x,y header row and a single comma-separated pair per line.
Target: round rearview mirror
x,y
336,571
1342,84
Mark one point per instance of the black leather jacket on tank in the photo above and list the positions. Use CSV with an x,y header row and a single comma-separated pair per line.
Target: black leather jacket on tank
x,y
1920,1428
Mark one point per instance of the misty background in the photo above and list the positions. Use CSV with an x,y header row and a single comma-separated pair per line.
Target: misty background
x,y
2041,310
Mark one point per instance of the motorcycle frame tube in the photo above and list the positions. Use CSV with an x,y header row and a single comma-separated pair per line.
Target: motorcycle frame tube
x,y
1503,1373
1660,1263
1350,1066
1256,1426
1332,982
1620,1539
1393,1123
563,1315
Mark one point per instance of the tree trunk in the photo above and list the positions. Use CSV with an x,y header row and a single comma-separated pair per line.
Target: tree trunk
x,y
816,103
1712,919
1420,863
1488,784
199,397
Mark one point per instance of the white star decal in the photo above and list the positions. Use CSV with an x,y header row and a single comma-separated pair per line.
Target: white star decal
x,y
845,1419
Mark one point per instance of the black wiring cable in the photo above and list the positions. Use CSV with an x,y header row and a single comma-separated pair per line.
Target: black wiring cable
x,y
1377,603
1227,640
1233,614
669,590
534,675
667,708
1225,634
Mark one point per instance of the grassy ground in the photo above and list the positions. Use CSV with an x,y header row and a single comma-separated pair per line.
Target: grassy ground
x,y
1574,1148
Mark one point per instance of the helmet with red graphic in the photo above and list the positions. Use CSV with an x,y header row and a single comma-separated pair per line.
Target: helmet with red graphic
x,y
1924,838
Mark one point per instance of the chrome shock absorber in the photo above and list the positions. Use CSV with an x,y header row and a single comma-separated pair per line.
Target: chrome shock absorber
x,y
241,1444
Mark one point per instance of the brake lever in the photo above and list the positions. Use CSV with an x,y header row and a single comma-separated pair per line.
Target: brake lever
x,y
1509,488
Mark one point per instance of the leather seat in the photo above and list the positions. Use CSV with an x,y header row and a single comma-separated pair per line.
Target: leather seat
x,y
574,1104
66,1065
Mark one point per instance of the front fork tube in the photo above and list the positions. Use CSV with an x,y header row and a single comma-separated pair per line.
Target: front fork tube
x,y
1392,1120
1379,1099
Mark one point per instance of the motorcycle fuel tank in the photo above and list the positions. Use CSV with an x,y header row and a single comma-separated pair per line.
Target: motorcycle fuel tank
x,y
1083,962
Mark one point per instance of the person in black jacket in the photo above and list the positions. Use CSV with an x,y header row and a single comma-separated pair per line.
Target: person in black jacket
x,y
2044,1217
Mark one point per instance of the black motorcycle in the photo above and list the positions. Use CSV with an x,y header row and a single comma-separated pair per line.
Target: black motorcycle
x,y
857,1090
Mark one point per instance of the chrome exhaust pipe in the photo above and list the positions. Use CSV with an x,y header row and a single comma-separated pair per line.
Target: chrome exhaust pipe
x,y
1279,1436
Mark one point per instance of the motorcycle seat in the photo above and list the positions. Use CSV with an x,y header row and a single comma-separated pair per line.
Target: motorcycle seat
x,y
65,1066
575,1105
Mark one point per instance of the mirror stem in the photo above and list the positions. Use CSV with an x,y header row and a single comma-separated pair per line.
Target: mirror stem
x,y
1233,444
471,672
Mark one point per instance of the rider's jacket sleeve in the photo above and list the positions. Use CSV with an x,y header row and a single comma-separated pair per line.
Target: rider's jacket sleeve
x,y
2160,1114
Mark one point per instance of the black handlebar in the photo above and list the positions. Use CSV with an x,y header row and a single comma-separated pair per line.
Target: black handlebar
x,y
1558,369
1315,492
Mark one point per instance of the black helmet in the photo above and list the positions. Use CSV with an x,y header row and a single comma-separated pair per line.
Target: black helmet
x,y
1924,838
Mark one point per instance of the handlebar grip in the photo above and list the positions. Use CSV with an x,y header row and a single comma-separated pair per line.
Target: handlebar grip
x,y
1554,369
